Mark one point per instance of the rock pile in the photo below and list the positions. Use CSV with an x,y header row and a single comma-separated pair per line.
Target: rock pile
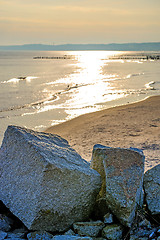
x,y
55,194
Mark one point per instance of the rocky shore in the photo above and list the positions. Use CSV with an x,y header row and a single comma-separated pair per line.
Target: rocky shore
x,y
48,191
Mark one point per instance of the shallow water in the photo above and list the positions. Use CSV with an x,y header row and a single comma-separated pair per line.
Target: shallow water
x,y
40,89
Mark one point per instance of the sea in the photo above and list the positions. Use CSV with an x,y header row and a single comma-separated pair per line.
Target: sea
x,y
39,89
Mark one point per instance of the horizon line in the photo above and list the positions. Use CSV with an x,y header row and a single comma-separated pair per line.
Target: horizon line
x,y
23,44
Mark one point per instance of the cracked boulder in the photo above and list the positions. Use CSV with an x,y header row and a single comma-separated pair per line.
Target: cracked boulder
x,y
122,172
44,182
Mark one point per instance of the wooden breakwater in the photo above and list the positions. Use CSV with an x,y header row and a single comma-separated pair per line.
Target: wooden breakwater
x,y
53,57
144,57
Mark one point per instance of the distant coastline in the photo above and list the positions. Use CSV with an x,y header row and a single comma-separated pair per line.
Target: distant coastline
x,y
148,46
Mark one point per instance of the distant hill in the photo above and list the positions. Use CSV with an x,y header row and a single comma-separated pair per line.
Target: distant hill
x,y
150,46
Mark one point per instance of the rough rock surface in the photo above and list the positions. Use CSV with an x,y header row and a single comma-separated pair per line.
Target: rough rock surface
x,y
70,232
5,223
142,233
68,237
44,182
14,236
39,235
3,235
91,229
108,218
152,189
112,232
122,172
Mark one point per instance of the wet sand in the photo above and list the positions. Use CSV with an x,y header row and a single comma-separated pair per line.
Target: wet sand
x,y
133,125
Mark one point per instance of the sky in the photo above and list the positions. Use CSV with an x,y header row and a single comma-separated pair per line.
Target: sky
x,y
79,21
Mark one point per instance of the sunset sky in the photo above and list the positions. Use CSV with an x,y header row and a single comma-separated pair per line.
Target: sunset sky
x,y
79,21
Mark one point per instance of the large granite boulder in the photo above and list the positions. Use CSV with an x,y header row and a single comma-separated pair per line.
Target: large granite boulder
x,y
122,172
152,189
44,182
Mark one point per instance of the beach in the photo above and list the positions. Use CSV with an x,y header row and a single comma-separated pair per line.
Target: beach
x,y
135,125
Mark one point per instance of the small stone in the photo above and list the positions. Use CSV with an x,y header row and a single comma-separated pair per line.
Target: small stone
x,y
112,232
143,233
152,189
39,235
91,229
5,223
108,218
16,235
137,238
3,235
145,223
68,237
20,230
15,238
70,232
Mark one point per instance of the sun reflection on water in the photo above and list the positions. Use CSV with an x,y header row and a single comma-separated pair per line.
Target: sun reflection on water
x,y
93,83
87,87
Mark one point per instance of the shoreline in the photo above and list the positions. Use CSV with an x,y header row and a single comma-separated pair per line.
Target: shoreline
x,y
131,125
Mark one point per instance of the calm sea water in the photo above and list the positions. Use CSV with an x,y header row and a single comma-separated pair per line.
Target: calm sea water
x,y
41,89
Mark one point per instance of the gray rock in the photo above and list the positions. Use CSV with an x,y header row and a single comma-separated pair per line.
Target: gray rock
x,y
112,232
145,223
108,218
70,232
68,237
5,223
138,238
152,189
91,229
3,235
122,172
142,233
16,235
39,235
21,231
15,238
44,182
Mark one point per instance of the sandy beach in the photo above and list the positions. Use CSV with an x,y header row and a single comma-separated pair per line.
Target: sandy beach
x,y
133,125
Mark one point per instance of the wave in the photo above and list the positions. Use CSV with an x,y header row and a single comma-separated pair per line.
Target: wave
x,y
18,79
134,75
53,98
150,85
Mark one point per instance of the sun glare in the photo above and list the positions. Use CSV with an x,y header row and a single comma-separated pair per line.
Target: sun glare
x,y
88,87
